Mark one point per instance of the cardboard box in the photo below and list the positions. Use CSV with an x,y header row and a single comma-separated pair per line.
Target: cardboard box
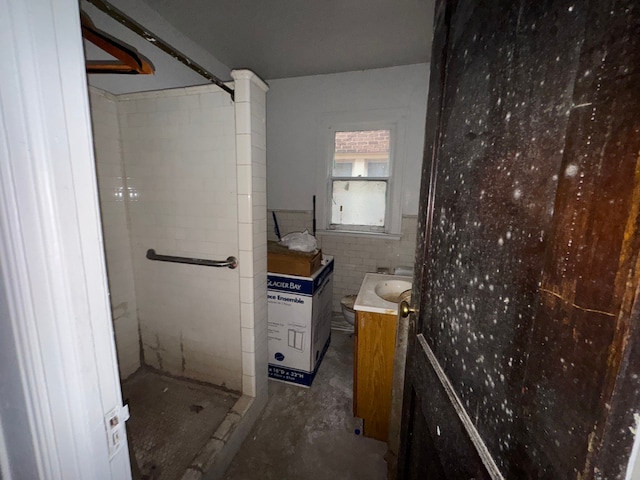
x,y
282,260
299,329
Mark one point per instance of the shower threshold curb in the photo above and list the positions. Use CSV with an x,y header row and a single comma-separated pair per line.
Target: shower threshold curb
x,y
206,458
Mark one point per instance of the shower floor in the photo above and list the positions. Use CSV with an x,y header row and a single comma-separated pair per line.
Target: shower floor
x,y
171,420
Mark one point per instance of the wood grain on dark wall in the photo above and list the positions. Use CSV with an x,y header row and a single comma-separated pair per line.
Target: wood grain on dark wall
x,y
531,266
590,274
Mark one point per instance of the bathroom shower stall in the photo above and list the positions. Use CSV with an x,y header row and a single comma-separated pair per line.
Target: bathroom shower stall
x,y
183,172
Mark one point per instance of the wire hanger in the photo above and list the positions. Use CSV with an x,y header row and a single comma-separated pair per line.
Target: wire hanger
x,y
130,61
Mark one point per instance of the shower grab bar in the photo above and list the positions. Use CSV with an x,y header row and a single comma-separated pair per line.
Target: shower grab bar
x,y
230,262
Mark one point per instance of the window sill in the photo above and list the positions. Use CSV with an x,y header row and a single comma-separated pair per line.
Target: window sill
x,y
354,233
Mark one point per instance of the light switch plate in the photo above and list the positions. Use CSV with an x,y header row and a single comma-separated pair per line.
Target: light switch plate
x,y
114,424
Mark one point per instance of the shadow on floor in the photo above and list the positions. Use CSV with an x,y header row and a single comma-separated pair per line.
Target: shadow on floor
x,y
309,433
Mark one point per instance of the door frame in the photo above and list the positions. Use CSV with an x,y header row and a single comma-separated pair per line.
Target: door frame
x,y
58,361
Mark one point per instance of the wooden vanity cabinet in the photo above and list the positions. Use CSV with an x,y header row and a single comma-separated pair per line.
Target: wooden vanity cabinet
x,y
374,343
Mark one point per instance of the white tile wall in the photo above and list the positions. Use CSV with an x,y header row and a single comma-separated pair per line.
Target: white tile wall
x,y
252,216
193,187
106,137
289,221
179,152
354,255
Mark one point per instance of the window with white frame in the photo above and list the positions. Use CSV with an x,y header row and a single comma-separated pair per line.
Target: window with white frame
x,y
359,179
360,175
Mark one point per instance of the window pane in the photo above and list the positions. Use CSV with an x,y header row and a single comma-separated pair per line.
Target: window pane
x,y
360,149
377,169
342,169
359,202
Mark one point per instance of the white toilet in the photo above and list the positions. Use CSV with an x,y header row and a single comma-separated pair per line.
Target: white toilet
x,y
348,312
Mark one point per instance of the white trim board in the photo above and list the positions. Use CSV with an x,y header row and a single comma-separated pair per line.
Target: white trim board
x,y
60,362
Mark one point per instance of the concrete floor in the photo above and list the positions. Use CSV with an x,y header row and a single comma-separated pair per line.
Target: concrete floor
x,y
309,433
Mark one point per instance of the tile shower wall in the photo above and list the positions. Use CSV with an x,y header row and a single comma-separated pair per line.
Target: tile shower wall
x,y
180,159
252,217
108,154
354,255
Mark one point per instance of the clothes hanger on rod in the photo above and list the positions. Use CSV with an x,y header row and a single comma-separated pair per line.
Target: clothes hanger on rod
x,y
130,61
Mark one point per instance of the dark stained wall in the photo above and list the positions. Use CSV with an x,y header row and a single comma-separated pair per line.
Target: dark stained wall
x,y
531,265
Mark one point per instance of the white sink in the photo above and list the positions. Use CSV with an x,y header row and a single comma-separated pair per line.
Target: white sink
x,y
379,293
390,290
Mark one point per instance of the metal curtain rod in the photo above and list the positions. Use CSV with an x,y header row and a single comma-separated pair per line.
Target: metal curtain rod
x,y
230,262
150,37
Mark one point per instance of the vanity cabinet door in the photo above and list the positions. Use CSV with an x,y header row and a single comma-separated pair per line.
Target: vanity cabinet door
x,y
355,366
376,338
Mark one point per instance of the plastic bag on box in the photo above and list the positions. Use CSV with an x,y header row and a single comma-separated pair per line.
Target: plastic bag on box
x,y
300,241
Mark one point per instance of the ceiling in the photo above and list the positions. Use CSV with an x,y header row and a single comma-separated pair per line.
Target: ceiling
x,y
291,38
